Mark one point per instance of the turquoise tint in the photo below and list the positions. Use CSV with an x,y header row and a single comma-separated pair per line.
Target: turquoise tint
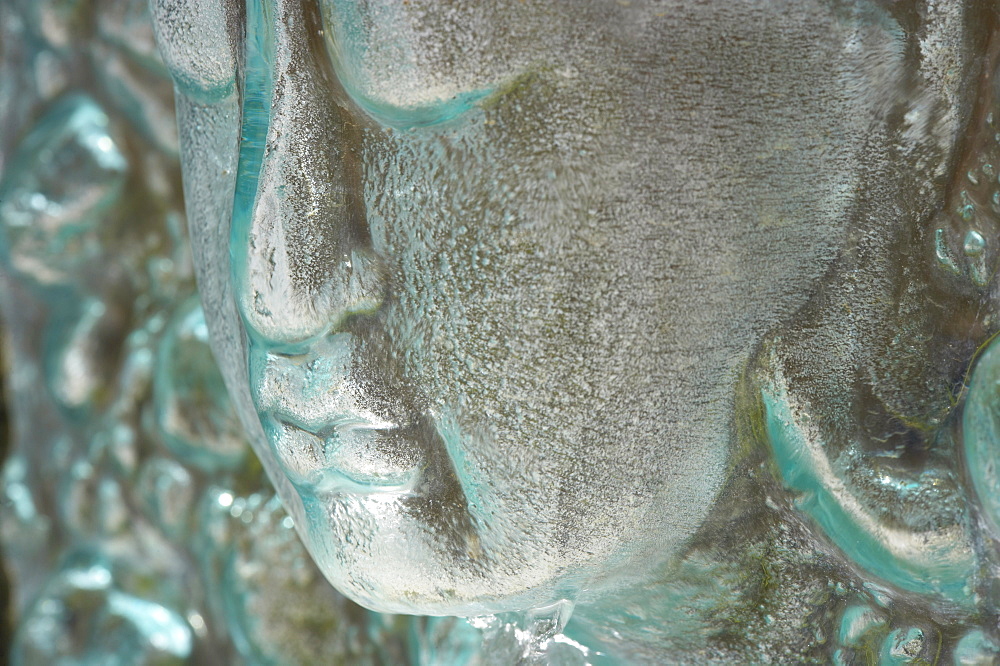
x,y
348,49
905,646
258,86
857,622
63,177
976,649
193,411
415,116
981,433
879,550
108,627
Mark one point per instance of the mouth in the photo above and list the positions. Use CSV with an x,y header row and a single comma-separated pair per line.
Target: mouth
x,y
348,454
321,426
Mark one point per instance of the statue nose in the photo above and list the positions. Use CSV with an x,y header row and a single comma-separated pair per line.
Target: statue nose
x,y
302,259
303,286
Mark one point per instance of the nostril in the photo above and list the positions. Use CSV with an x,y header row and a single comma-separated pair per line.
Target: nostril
x,y
289,301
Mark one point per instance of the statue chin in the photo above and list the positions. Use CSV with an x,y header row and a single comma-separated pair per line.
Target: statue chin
x,y
402,567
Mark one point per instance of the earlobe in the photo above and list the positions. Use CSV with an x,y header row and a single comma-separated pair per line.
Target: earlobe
x,y
939,560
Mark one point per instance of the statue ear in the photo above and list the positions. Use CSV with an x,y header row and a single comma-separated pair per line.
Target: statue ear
x,y
948,45
863,386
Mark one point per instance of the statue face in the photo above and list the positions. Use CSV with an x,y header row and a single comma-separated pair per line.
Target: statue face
x,y
503,269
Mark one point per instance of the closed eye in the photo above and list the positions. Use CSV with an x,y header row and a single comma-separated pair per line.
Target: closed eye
x,y
388,81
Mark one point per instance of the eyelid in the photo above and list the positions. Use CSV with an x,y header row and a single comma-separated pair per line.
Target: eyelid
x,y
404,117
388,112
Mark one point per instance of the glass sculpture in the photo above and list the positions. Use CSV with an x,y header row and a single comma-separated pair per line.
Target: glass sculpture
x,y
590,331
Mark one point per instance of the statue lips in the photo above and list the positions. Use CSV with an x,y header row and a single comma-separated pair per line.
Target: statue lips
x,y
317,419
347,456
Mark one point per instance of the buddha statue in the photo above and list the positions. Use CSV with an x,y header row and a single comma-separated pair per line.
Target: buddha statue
x,y
641,331
658,315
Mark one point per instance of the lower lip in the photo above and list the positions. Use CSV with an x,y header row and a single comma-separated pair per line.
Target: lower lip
x,y
334,481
